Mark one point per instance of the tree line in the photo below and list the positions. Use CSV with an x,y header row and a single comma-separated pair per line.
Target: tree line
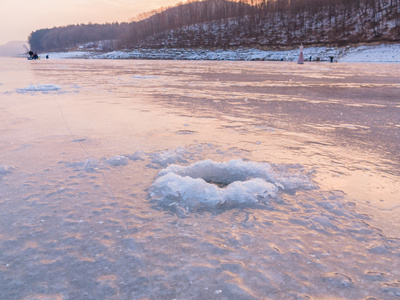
x,y
222,23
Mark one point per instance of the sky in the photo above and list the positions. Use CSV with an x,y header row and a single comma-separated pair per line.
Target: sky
x,y
18,18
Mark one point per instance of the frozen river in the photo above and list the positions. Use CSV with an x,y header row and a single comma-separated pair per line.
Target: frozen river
x,y
126,179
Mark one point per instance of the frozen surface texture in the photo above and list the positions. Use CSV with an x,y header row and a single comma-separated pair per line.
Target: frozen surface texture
x,y
199,180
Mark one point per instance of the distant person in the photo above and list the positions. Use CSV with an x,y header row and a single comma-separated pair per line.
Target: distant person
x,y
47,56
310,58
35,56
301,57
331,58
30,53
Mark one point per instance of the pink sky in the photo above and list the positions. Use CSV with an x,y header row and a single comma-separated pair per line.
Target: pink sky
x,y
18,18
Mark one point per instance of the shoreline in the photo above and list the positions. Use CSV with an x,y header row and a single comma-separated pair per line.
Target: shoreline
x,y
384,53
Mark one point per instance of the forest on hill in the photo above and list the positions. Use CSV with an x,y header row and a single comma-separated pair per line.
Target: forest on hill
x,y
231,24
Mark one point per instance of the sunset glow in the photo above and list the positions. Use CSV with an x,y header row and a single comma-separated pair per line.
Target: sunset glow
x,y
19,18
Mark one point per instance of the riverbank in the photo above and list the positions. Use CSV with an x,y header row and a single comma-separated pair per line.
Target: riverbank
x,y
372,53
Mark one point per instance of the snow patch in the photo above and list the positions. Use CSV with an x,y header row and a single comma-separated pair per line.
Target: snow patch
x,y
69,54
44,88
382,53
369,53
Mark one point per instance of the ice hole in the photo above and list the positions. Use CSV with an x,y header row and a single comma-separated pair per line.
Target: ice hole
x,y
236,183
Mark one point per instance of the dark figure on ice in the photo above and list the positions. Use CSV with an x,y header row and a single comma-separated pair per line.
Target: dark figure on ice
x,y
33,55
47,56
331,58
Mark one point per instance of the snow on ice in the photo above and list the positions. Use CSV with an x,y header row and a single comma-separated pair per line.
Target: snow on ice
x,y
44,88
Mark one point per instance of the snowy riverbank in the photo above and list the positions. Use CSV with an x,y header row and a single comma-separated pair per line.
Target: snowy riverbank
x,y
373,53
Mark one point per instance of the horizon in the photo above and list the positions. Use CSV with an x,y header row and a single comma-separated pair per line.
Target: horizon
x,y
42,14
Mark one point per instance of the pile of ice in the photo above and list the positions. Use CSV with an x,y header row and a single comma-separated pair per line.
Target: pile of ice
x,y
219,185
44,88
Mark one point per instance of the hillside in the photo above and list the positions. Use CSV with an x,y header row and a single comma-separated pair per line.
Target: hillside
x,y
274,30
13,48
221,24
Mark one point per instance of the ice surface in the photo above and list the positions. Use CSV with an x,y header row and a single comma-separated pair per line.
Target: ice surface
x,y
94,165
286,187
5,170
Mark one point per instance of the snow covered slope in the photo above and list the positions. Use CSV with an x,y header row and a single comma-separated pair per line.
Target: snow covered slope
x,y
371,53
